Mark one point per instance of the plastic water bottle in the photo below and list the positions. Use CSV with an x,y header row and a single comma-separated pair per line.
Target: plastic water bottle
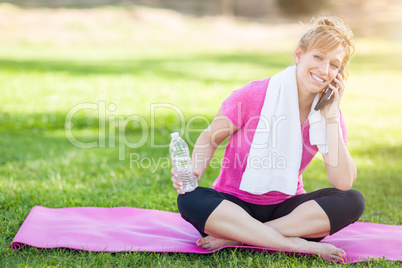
x,y
182,162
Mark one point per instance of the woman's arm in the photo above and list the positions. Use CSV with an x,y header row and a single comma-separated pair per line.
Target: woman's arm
x,y
209,140
206,144
341,168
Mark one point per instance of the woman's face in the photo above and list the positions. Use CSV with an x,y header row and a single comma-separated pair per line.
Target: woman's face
x,y
317,68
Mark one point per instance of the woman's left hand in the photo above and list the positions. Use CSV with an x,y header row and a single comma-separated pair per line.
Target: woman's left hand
x,y
331,111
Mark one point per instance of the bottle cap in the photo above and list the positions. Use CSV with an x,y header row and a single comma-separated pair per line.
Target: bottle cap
x,y
174,135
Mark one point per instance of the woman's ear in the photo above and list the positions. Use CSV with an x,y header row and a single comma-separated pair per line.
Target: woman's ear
x,y
297,54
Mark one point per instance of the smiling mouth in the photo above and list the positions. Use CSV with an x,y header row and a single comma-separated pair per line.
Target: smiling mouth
x,y
316,78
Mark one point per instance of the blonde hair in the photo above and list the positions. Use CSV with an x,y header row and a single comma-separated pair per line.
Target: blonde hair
x,y
328,33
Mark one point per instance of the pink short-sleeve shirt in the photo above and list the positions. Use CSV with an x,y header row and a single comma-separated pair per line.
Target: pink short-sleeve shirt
x,y
243,108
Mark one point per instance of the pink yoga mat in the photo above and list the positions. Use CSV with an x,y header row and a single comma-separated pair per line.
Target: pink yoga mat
x,y
133,229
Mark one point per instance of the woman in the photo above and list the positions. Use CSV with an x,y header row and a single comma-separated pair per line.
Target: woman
x,y
274,132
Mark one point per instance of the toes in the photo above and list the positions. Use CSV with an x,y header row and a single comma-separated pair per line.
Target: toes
x,y
337,259
212,243
341,255
203,243
200,242
337,256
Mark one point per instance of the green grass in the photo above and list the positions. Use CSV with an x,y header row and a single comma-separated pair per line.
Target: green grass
x,y
39,84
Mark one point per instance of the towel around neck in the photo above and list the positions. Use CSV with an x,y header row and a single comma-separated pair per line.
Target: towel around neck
x,y
275,155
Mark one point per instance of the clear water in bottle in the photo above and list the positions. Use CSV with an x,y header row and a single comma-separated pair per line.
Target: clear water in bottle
x,y
182,162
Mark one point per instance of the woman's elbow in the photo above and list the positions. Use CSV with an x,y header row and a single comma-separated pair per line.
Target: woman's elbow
x,y
346,183
344,186
209,139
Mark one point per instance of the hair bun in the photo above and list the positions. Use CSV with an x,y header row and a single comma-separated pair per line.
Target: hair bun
x,y
334,23
329,21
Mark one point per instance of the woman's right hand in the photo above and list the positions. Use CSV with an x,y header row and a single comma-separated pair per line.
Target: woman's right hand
x,y
178,184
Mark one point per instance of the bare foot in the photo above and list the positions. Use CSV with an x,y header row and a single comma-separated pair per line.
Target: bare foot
x,y
212,243
331,253
324,250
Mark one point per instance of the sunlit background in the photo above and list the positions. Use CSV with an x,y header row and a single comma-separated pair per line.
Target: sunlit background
x,y
125,57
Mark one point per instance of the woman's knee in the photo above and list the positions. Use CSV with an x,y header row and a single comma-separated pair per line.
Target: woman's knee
x,y
185,203
342,207
196,206
356,202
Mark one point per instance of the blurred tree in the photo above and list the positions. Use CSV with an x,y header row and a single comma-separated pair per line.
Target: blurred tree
x,y
300,6
228,7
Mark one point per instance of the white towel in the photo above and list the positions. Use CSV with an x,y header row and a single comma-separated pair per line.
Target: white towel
x,y
318,128
275,155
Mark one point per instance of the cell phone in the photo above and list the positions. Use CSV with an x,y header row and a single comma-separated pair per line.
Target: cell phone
x,y
324,100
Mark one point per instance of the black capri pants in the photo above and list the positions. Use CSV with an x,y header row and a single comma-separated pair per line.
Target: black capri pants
x,y
341,207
